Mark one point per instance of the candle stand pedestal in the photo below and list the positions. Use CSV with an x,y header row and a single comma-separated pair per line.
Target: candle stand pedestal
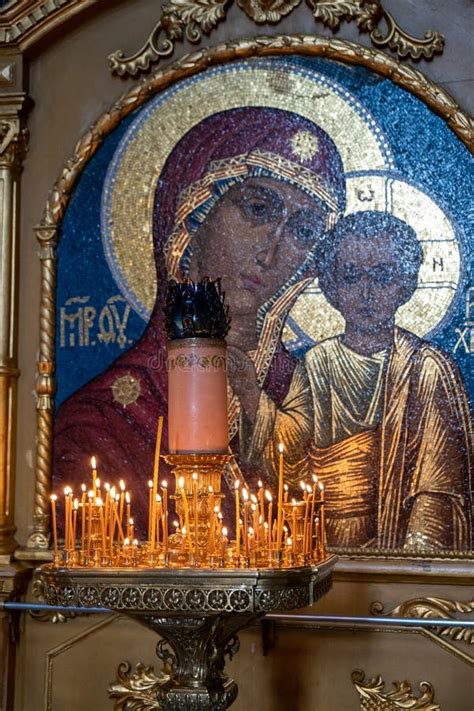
x,y
196,612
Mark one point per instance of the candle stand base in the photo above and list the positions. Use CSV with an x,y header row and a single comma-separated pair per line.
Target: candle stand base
x,y
196,612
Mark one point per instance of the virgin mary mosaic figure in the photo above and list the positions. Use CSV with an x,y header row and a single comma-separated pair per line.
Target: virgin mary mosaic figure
x,y
246,196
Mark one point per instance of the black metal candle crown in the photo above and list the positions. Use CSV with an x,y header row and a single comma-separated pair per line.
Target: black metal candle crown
x,y
196,310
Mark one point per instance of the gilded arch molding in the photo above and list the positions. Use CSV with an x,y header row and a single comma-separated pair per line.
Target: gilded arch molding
x,y
47,232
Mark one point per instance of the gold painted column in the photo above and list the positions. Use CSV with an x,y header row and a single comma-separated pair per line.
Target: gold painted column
x,y
13,136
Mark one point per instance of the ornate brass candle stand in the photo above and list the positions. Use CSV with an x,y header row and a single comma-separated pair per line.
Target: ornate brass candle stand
x,y
196,612
196,588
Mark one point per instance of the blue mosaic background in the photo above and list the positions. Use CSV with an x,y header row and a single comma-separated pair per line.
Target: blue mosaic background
x,y
426,152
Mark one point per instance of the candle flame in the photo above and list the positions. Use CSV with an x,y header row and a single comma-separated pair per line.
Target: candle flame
x,y
210,489
158,498
195,476
224,531
236,484
293,501
181,482
253,499
303,485
126,542
164,484
315,478
122,485
265,525
76,504
67,491
90,494
54,497
97,483
220,515
131,521
250,531
216,509
289,542
245,494
135,542
112,492
127,497
253,506
308,488
83,488
107,486
93,463
98,501
183,530
321,486
281,447
260,483
175,524
285,486
150,484
268,496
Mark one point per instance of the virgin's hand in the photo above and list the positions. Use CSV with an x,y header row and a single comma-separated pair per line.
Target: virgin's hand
x,y
243,380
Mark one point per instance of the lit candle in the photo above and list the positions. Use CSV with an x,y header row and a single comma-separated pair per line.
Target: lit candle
x,y
254,508
83,519
245,496
159,511
90,496
122,501
237,519
312,491
94,475
102,524
127,501
269,498
54,524
293,525
74,523
67,518
195,511
150,508
285,495
306,516
164,489
261,499
156,467
224,543
280,495
131,528
322,518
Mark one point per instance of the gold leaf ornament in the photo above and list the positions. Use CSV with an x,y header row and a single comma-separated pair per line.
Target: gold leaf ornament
x,y
267,10
194,16
373,696
135,690
333,12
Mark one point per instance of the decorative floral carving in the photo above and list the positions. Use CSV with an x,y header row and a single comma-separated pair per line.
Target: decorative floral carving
x,y
373,696
267,10
434,608
135,690
189,19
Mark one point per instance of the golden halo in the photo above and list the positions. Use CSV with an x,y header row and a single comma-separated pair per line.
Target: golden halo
x,y
439,275
129,190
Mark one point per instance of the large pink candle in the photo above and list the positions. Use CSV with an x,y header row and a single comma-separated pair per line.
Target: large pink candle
x,y
197,396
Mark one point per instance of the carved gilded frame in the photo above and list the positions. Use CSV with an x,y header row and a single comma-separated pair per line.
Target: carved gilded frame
x,y
445,565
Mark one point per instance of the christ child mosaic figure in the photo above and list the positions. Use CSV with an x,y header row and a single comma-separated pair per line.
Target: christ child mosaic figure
x,y
380,415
